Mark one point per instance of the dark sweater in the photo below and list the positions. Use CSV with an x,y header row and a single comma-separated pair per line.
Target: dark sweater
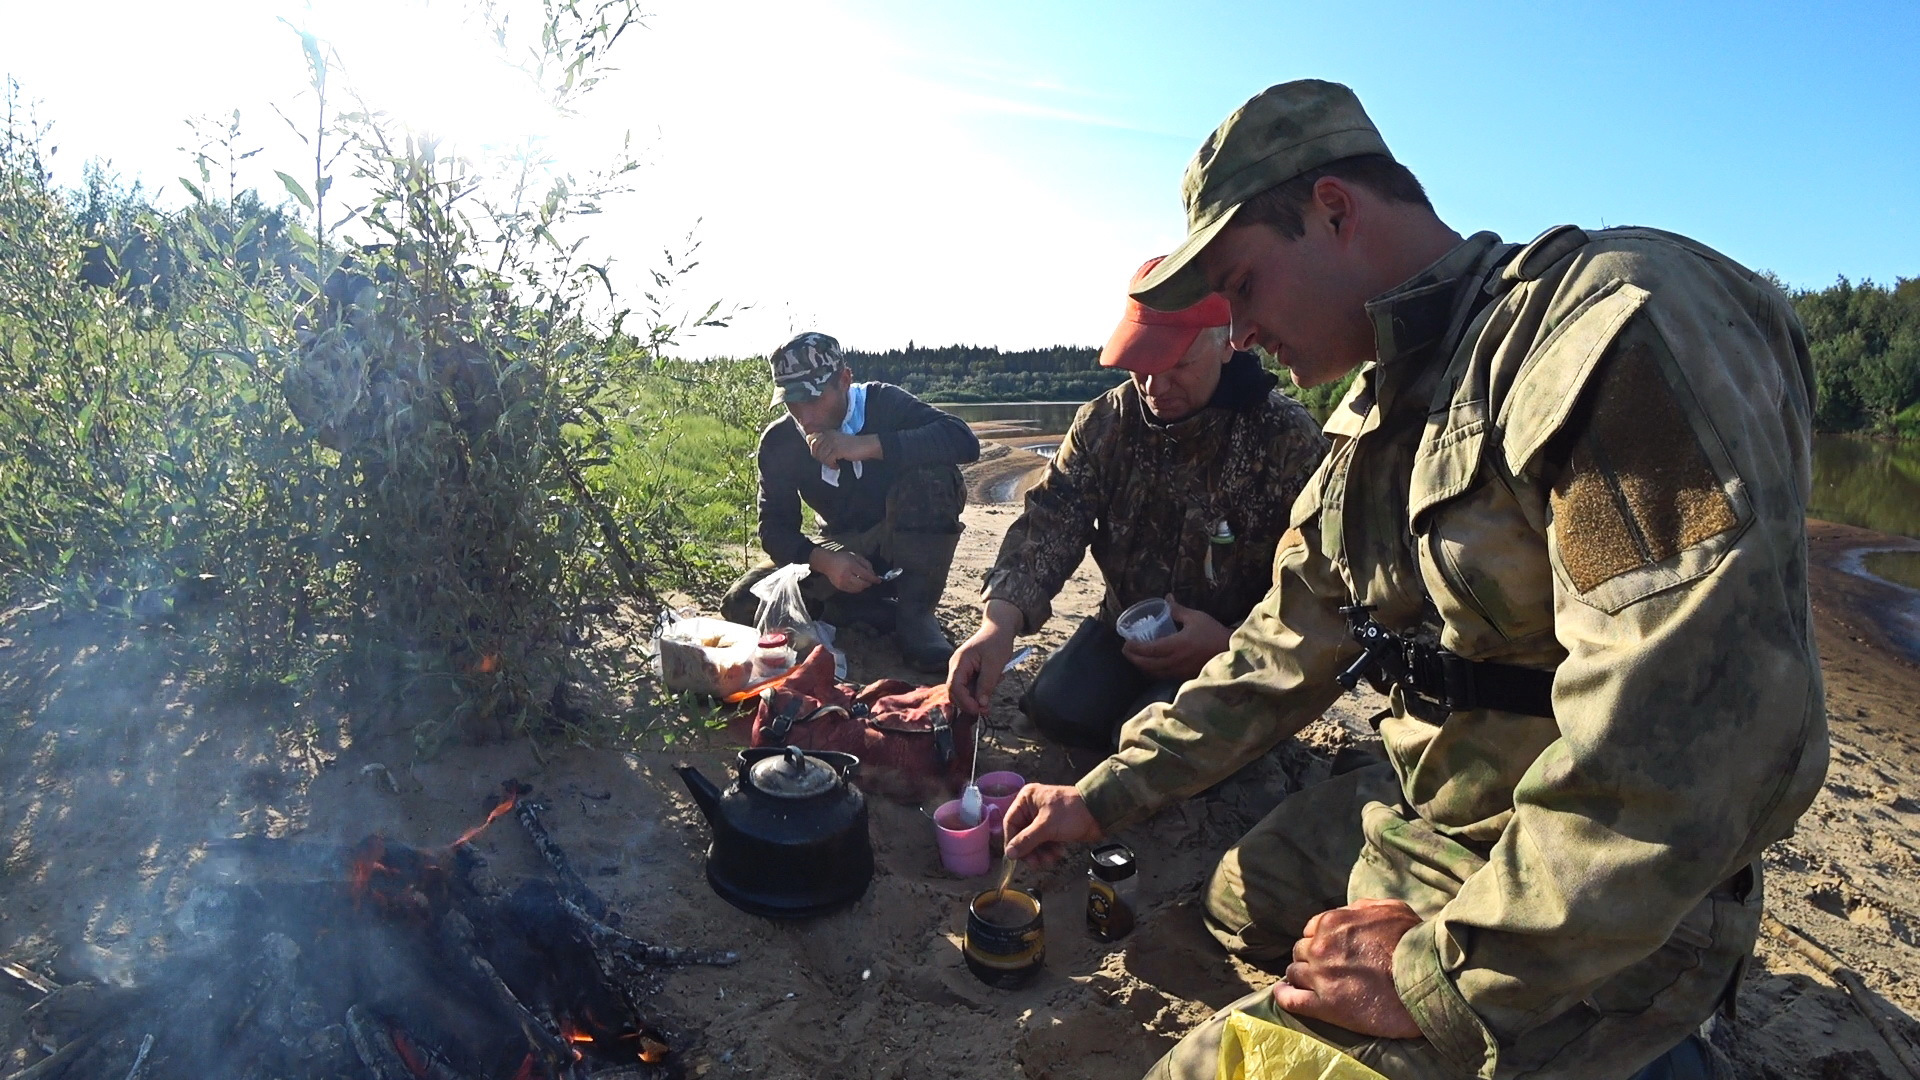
x,y
912,434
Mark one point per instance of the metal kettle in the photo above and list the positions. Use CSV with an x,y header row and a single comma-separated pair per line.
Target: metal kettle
x,y
789,834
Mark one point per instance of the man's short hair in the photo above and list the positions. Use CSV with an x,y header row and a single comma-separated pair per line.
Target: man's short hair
x,y
1283,206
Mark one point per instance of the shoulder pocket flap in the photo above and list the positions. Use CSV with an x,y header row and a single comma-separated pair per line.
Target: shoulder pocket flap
x,y
1445,465
1548,384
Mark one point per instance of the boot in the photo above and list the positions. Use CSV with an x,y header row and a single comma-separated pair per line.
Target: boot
x,y
872,610
924,559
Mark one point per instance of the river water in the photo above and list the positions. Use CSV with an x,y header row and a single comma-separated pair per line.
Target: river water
x,y
1875,485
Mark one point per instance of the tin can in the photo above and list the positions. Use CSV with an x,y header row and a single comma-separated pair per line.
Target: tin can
x,y
1006,943
1112,884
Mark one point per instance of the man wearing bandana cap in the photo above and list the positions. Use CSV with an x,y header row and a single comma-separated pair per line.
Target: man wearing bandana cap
x,y
1563,527
881,469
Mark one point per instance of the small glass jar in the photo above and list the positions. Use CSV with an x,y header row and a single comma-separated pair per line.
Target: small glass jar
x,y
1112,885
773,655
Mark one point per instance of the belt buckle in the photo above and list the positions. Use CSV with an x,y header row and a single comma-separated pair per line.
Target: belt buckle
x,y
1456,681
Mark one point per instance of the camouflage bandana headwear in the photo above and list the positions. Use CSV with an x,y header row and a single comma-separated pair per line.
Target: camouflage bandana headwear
x,y
1283,131
802,367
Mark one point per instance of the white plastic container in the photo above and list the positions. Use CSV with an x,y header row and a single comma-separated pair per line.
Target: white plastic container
x,y
1148,620
707,656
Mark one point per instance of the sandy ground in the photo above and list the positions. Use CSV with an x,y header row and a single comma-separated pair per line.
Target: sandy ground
x,y
113,782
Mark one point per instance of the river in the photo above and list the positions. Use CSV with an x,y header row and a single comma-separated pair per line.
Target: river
x,y
1875,485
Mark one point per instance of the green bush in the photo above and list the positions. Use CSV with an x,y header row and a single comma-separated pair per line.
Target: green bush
x,y
405,464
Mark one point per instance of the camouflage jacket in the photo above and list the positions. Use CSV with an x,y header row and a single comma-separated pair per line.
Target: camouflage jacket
x,y
1146,496
1591,457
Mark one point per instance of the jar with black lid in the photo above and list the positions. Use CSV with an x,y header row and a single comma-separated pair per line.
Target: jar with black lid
x,y
1112,885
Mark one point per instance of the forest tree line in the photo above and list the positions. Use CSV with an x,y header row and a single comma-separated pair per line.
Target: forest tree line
x,y
1864,339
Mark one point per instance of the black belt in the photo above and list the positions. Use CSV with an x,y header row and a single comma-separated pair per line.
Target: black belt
x,y
1437,682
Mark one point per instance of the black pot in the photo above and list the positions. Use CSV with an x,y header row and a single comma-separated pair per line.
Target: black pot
x,y
789,834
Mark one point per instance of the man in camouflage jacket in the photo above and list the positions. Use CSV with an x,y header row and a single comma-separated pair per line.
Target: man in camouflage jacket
x,y
1581,469
1179,480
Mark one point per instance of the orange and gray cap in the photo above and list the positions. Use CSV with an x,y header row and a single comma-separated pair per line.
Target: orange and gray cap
x,y
803,367
1281,132
1149,341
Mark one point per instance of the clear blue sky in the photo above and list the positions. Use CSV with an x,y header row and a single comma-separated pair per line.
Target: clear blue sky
x,y
992,171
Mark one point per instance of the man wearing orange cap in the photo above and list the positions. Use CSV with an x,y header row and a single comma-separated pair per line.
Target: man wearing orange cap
x,y
1180,481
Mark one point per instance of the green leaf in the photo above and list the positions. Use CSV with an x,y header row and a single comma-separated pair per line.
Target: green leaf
x,y
293,188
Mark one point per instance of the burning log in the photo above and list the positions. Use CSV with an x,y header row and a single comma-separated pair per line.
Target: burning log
x,y
457,933
397,964
390,1054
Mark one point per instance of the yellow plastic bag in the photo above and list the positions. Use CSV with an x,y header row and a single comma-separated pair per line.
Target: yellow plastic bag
x,y
1256,1049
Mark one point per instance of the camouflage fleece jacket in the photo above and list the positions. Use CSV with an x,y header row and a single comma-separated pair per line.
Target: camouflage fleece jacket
x,y
1592,457
1146,496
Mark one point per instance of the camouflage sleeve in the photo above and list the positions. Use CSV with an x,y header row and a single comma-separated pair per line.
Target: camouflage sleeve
x,y
1045,544
1275,677
1689,705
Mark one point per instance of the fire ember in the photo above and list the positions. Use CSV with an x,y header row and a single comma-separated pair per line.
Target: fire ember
x,y
385,961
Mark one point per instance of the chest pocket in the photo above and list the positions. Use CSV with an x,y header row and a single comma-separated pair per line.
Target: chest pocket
x,y
1482,558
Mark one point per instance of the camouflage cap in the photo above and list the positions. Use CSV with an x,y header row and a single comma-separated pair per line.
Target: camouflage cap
x,y
802,367
1281,132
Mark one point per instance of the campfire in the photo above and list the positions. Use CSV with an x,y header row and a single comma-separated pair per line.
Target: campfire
x,y
383,961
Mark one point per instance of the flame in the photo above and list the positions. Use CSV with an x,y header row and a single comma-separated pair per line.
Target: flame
x,y
506,804
652,1051
487,665
366,862
404,1047
572,1033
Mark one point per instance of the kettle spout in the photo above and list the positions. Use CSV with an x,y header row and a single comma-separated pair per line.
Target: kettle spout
x,y
703,791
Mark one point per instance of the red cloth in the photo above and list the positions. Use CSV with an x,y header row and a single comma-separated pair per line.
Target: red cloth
x,y
892,726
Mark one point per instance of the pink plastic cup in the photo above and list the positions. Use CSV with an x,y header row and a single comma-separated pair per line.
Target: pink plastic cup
x,y
997,790
963,848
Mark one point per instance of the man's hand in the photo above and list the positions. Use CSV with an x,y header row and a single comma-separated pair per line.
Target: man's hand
x,y
1043,819
848,571
1182,654
1342,970
834,447
978,663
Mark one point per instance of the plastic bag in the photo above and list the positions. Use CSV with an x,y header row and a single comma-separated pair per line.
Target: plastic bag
x,y
783,607
1256,1049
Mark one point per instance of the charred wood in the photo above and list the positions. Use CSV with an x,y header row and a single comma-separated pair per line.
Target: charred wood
x,y
139,1070
457,935
387,1050
571,884
25,983
374,1047
56,1065
606,939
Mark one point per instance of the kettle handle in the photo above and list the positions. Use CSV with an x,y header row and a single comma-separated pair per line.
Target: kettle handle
x,y
847,765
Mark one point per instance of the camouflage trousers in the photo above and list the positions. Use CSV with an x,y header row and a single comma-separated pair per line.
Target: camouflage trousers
x,y
924,500
1348,838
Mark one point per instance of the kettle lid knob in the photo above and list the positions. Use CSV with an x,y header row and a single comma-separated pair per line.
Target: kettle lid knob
x,y
793,775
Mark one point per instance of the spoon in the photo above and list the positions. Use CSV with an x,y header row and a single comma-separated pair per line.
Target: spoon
x,y
971,801
1006,878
